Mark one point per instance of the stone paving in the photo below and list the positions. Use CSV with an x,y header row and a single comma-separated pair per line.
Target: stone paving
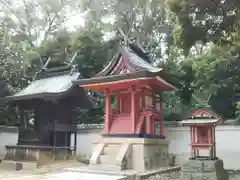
x,y
59,172
56,171
63,176
234,175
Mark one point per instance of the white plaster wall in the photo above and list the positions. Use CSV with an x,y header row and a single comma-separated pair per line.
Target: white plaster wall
x,y
227,144
7,138
227,139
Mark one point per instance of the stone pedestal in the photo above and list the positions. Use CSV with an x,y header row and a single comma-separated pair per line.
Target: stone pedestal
x,y
34,155
140,154
203,170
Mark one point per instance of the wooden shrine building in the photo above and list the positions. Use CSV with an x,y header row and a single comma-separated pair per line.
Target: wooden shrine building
x,y
46,122
202,123
131,81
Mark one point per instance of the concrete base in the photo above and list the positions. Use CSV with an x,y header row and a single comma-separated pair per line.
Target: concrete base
x,y
139,154
203,169
29,157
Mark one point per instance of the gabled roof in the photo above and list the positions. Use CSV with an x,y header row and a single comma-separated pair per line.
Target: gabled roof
x,y
199,121
50,83
204,113
128,60
201,116
130,63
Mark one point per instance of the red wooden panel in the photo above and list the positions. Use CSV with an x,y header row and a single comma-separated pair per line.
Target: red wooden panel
x,y
121,124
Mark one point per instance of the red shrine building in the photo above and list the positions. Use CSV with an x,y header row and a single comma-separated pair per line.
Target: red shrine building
x,y
202,123
133,136
132,82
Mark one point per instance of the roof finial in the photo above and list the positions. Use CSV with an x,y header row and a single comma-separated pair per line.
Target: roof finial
x,y
73,58
126,40
47,62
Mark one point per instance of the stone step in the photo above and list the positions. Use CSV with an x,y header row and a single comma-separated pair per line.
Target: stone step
x,y
111,150
108,159
105,167
15,165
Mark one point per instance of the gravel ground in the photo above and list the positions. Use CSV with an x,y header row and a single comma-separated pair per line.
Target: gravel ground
x,y
56,172
234,175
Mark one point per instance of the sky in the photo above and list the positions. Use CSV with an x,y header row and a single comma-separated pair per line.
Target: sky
x,y
79,19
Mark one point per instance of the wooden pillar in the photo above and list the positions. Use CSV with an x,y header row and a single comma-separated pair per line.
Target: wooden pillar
x,y
119,103
66,146
197,140
210,139
54,139
22,116
107,117
194,140
75,144
191,140
153,100
149,125
22,123
161,120
214,142
142,94
133,109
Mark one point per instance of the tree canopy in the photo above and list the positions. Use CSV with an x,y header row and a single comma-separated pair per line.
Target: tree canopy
x,y
195,42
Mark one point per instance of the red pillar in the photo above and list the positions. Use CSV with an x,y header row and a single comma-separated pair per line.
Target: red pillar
x,y
149,125
107,118
196,140
191,140
118,103
210,141
214,141
133,109
161,120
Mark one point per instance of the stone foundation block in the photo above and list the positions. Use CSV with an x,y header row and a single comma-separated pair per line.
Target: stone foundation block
x,y
29,157
203,170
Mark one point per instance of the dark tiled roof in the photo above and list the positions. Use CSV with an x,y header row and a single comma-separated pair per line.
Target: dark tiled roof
x,y
51,85
136,61
48,83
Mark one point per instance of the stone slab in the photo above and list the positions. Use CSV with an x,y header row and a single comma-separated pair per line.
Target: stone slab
x,y
68,176
195,166
160,173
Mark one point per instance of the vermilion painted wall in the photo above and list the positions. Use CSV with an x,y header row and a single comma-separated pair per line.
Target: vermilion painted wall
x,y
121,124
132,108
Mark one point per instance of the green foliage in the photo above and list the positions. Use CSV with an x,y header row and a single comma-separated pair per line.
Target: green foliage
x,y
238,109
203,21
195,42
